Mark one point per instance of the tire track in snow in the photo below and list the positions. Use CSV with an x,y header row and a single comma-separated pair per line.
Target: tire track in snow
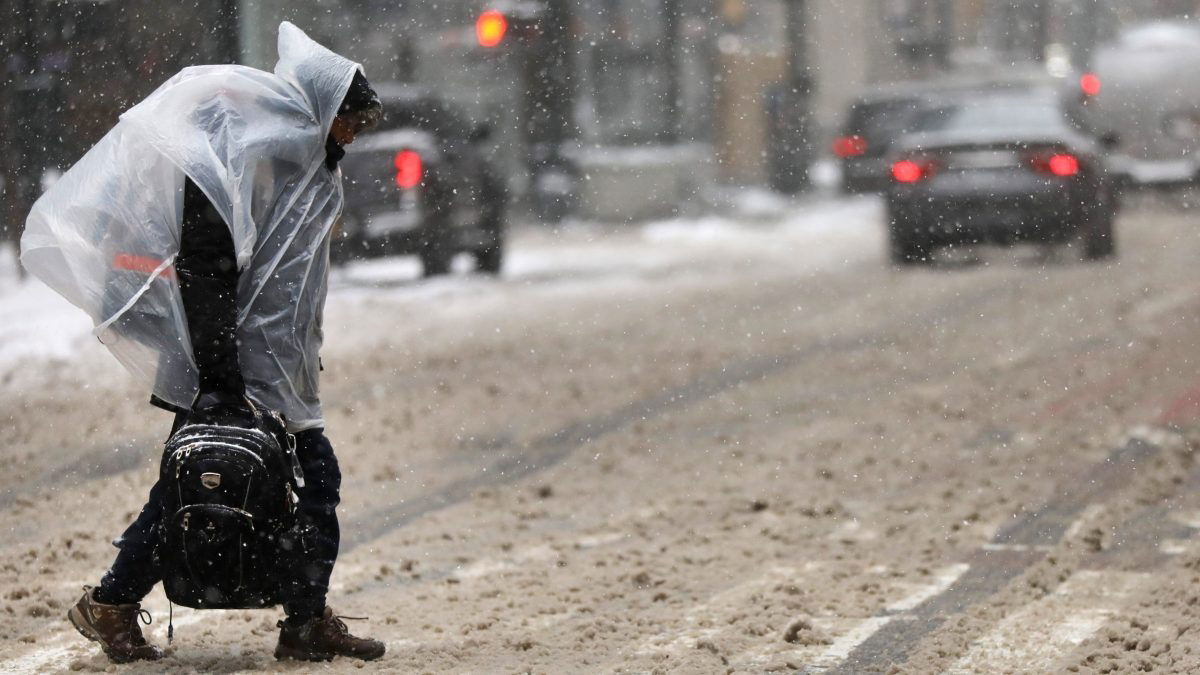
x,y
552,449
99,461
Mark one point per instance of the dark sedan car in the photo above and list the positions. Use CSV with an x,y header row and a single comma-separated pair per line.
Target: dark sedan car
x,y
1000,169
883,114
421,184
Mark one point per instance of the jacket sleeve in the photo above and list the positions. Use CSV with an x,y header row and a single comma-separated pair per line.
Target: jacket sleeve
x,y
208,281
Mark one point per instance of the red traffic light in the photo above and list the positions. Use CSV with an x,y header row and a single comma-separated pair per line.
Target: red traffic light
x,y
1089,83
409,170
490,28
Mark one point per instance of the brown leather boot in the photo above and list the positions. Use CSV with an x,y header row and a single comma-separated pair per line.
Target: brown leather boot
x,y
323,638
115,627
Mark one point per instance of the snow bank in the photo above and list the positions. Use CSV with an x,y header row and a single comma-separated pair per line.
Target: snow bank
x,y
38,325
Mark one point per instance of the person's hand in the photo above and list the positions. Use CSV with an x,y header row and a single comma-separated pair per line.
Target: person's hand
x,y
222,407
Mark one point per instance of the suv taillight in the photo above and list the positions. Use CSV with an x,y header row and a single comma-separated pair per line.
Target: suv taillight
x,y
409,170
850,146
911,170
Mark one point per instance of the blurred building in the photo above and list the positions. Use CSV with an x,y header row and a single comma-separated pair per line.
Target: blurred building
x,y
70,68
661,97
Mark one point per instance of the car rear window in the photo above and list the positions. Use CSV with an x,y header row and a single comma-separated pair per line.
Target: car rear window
x,y
993,116
436,117
882,122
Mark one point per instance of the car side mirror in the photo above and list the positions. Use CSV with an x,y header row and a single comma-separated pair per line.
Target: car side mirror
x,y
1110,141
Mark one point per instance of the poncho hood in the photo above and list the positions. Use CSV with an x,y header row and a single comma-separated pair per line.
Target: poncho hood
x,y
106,234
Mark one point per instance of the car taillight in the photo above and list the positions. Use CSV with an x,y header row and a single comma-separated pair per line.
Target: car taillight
x,y
1061,164
1089,84
910,171
850,146
408,169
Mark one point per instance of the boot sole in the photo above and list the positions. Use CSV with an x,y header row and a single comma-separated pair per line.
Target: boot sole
x,y
286,653
76,619
289,653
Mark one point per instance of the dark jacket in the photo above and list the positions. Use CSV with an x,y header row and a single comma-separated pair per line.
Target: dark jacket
x,y
208,279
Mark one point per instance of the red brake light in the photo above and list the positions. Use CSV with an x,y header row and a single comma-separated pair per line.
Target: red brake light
x,y
490,28
908,171
1061,164
409,170
1064,165
1089,83
850,146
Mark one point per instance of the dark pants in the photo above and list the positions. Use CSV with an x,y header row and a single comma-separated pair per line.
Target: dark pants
x,y
133,573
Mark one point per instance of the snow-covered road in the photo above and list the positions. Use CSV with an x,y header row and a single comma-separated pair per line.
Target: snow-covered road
x,y
713,445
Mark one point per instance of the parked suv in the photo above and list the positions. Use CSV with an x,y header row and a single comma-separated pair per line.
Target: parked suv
x,y
421,184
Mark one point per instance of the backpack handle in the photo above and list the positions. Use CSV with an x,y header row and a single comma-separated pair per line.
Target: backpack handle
x,y
289,445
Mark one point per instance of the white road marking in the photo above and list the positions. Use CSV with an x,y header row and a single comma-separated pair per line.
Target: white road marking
x,y
1071,614
942,579
1159,436
592,541
1174,546
861,630
734,597
488,566
1187,519
540,553
1020,548
1090,514
842,646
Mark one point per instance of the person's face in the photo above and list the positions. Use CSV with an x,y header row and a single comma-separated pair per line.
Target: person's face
x,y
346,127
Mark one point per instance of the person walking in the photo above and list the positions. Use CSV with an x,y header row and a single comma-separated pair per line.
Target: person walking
x,y
196,236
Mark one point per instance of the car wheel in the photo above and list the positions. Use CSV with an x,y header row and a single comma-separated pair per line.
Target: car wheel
x,y
348,242
490,257
435,252
906,247
1099,236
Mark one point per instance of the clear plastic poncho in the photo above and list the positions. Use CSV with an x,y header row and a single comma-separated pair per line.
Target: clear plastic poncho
x,y
105,236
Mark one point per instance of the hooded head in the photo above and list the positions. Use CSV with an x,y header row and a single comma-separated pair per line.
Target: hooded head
x,y
360,110
337,92
322,77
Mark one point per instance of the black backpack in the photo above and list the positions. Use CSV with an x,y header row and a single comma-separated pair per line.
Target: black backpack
x,y
229,532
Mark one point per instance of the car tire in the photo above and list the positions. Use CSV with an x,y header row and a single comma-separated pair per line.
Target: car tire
x,y
490,259
436,243
347,242
1099,236
906,247
435,251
